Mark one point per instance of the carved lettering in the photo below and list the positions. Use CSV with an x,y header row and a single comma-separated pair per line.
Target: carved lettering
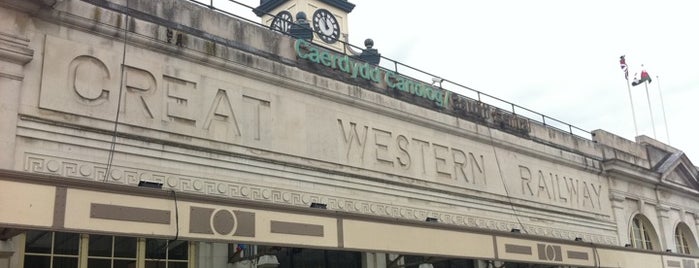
x,y
260,110
440,157
477,168
422,145
416,156
180,104
351,136
403,156
87,76
543,187
221,118
526,177
382,140
140,89
557,189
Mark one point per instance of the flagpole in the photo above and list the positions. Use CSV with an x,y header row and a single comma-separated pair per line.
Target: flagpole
x,y
625,68
633,111
662,104
652,122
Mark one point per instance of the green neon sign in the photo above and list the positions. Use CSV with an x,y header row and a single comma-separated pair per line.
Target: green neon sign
x,y
359,69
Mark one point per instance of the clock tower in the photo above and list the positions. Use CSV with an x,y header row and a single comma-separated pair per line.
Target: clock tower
x,y
328,18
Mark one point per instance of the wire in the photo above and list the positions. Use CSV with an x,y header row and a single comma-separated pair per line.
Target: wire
x,y
122,77
507,192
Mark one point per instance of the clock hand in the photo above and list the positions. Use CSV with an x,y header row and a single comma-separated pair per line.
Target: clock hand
x,y
323,26
328,23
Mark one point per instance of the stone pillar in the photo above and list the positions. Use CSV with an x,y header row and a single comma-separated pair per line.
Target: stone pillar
x,y
622,227
373,260
695,214
14,54
5,256
665,234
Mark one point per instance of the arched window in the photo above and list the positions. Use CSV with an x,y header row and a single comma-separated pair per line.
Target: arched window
x,y
683,239
642,233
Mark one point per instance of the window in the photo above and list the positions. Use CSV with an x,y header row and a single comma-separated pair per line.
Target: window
x,y
111,251
70,250
682,238
51,250
316,258
162,253
641,231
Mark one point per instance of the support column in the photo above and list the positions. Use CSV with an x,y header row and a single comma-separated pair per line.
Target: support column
x,y
664,230
695,215
373,260
14,54
622,227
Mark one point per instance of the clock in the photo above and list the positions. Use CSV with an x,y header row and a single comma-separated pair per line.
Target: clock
x,y
282,21
326,26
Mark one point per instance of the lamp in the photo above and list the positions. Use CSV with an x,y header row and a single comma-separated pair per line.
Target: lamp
x,y
515,230
437,80
579,239
267,261
430,219
319,205
150,184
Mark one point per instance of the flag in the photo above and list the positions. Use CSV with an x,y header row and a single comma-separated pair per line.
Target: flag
x,y
644,77
624,67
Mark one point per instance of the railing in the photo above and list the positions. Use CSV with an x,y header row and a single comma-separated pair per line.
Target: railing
x,y
404,69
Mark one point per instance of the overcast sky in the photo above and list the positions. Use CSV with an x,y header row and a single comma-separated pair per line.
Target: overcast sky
x,y
558,58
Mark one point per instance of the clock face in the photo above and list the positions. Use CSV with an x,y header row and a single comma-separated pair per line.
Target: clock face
x,y
282,21
326,26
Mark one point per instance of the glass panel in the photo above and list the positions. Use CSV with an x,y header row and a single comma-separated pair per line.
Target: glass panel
x,y
678,240
646,238
685,246
125,247
66,243
155,248
176,265
124,263
155,264
636,237
343,259
99,263
37,261
38,242
65,262
100,245
178,250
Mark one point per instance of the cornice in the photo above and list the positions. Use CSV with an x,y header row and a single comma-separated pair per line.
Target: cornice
x,y
267,6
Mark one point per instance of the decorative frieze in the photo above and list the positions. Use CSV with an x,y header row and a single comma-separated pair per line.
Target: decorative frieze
x,y
86,170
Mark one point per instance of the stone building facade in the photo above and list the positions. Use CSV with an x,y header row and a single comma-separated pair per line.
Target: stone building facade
x,y
244,130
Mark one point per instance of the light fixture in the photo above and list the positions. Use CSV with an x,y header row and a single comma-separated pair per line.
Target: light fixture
x,y
515,230
425,265
579,239
267,261
150,184
319,205
437,80
430,219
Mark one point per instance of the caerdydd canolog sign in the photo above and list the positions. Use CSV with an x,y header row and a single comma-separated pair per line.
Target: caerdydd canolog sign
x,y
369,72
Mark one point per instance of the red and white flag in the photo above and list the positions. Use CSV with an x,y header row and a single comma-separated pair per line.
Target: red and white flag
x,y
644,77
624,67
